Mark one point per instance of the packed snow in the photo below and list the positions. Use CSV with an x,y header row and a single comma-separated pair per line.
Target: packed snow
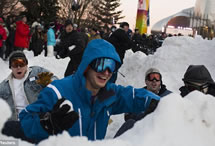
x,y
177,121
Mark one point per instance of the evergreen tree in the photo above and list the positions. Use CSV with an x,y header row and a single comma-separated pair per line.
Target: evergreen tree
x,y
44,9
105,13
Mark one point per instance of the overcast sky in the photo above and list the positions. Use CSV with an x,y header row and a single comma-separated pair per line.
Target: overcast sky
x,y
158,9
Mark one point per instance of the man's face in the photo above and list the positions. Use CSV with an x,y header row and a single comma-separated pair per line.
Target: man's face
x,y
96,80
18,68
92,32
69,28
24,19
153,84
126,28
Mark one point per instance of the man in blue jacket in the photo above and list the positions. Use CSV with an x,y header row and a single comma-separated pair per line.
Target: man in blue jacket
x,y
83,102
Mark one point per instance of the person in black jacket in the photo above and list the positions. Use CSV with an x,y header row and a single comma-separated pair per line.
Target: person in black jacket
x,y
72,44
121,41
153,80
197,77
37,40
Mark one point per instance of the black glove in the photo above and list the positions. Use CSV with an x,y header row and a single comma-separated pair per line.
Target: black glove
x,y
152,106
1,37
60,118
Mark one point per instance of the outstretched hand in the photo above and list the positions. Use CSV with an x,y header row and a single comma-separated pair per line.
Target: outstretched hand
x,y
44,78
62,117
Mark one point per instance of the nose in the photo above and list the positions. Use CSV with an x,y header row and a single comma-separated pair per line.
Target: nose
x,y
106,72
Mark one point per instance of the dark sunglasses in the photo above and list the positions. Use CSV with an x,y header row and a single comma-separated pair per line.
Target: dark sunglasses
x,y
18,63
154,76
192,87
101,64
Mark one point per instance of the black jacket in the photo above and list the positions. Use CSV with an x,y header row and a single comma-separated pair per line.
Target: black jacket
x,y
79,40
37,42
121,42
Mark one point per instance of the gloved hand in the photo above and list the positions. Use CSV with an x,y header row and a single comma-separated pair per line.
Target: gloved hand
x,y
62,117
44,78
1,37
152,106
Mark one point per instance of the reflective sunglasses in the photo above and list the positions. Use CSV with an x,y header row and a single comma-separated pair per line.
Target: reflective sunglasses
x,y
154,76
101,64
18,63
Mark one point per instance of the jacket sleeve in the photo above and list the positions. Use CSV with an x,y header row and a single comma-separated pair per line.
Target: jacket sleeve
x,y
132,100
4,35
78,42
29,117
124,41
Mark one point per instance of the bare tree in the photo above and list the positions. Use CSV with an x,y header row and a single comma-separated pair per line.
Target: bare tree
x,y
79,16
10,7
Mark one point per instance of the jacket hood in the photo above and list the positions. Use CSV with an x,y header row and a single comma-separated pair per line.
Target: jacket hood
x,y
97,48
197,73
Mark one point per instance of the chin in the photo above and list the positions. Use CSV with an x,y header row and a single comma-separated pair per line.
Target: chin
x,y
20,76
101,85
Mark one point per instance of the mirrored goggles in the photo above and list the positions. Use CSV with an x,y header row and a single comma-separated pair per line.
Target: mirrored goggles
x,y
19,62
101,64
154,76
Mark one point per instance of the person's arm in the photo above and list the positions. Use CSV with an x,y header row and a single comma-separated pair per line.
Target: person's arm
x,y
41,69
30,116
78,47
132,100
71,47
49,115
4,35
43,76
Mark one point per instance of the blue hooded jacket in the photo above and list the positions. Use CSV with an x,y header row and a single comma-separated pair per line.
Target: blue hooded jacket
x,y
93,118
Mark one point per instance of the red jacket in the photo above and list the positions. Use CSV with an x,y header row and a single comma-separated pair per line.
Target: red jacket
x,y
3,34
22,35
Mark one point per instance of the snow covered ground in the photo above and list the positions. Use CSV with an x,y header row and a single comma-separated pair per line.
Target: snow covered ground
x,y
177,121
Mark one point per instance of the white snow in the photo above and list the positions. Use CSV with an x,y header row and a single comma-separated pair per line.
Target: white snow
x,y
177,121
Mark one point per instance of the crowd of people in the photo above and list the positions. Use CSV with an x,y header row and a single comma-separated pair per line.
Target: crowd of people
x,y
83,101
16,33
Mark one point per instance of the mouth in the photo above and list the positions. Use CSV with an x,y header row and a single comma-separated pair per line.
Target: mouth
x,y
19,73
102,78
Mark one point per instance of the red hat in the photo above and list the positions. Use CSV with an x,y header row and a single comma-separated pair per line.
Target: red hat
x,y
1,20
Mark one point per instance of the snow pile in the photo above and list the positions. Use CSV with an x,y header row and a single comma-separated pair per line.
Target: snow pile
x,y
172,59
5,113
177,121
65,139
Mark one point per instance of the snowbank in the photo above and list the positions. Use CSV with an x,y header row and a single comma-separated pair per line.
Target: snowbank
x,y
177,121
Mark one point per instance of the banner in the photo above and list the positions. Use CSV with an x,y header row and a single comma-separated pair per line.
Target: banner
x,y
142,20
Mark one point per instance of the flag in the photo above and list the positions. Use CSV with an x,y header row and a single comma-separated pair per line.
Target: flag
x,y
142,20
